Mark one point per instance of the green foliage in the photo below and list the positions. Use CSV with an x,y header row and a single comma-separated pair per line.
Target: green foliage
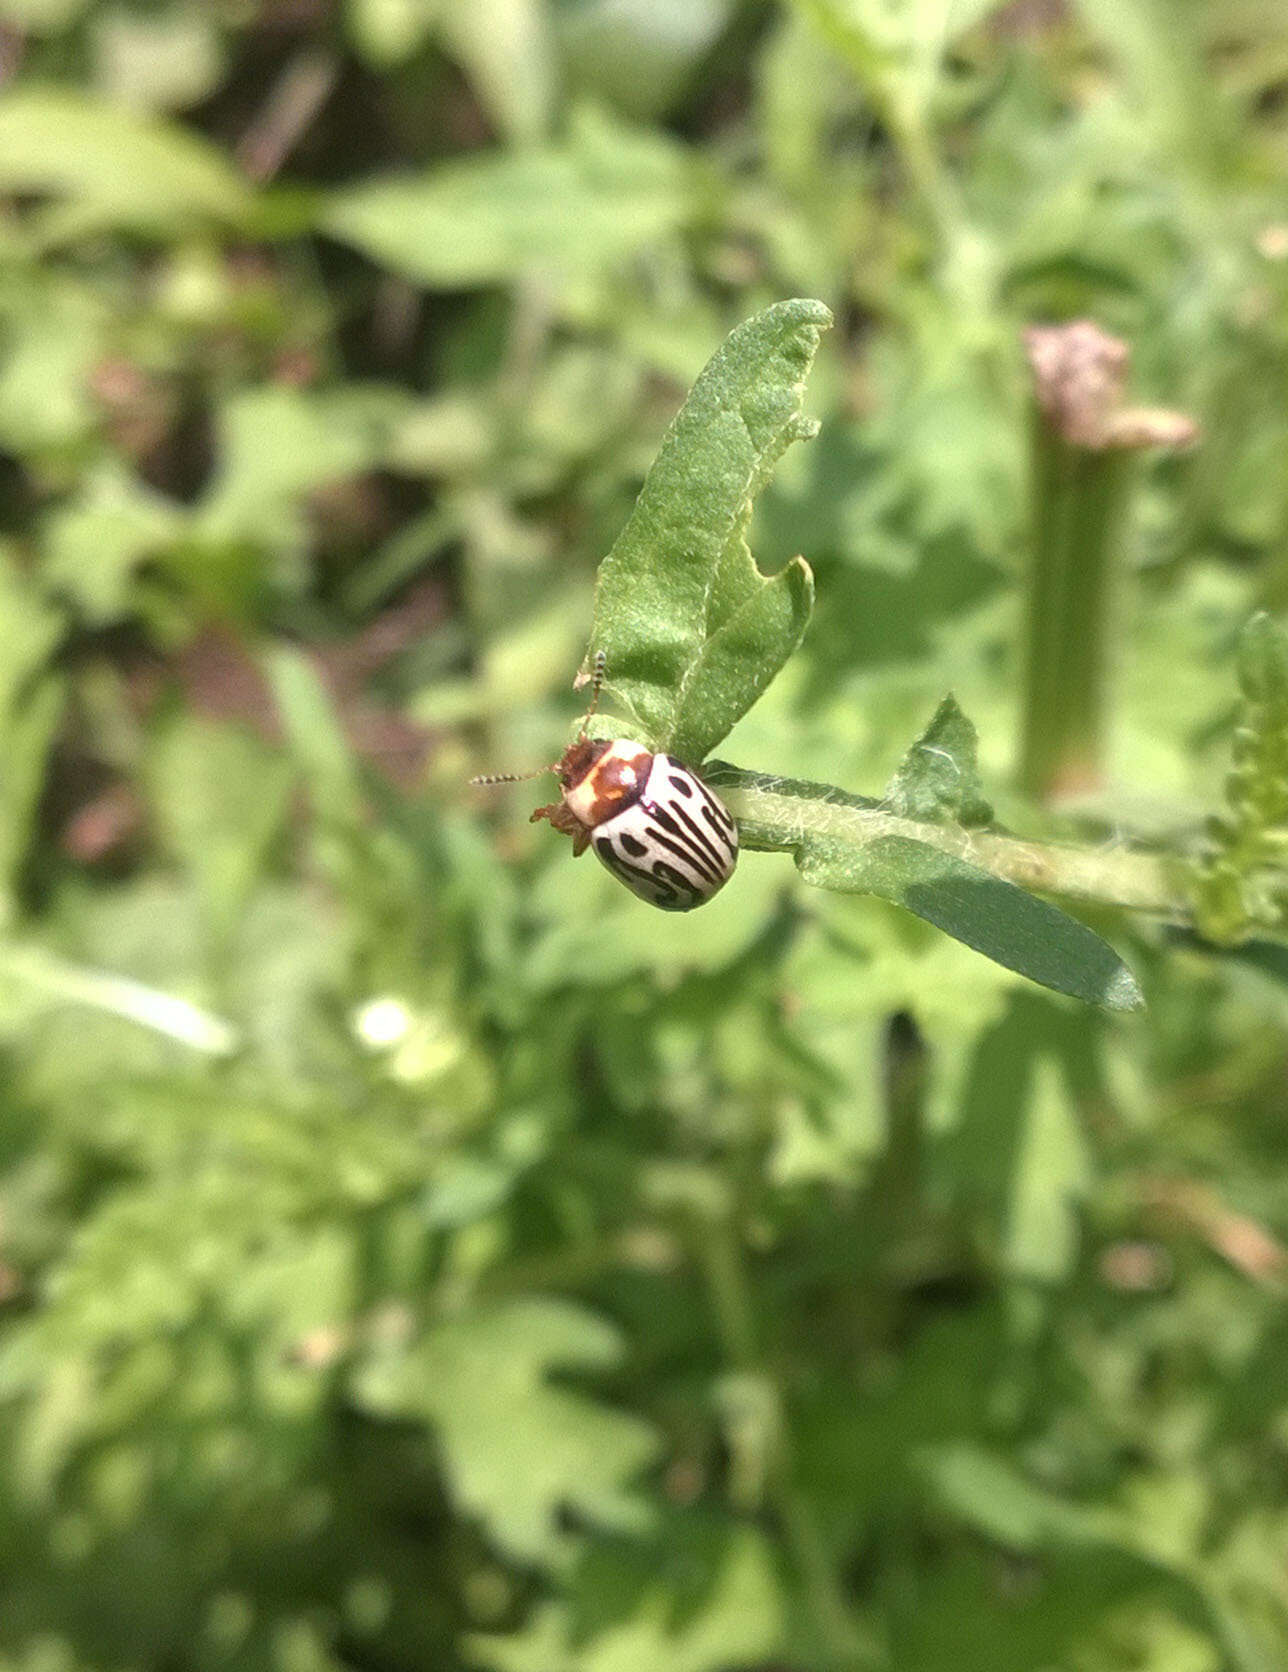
x,y
555,210
690,630
521,1454
997,919
31,705
110,167
938,780
740,1618
858,846
1240,884
414,1251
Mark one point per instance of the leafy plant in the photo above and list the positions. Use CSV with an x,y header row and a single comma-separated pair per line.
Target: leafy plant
x,y
693,633
1240,881
414,1251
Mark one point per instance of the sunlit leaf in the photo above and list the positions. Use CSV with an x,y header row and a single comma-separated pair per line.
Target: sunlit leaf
x,y
220,797
1239,882
690,629
520,1449
120,167
939,777
739,1620
854,846
559,209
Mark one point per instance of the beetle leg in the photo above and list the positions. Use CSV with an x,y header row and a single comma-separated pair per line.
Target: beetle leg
x,y
564,820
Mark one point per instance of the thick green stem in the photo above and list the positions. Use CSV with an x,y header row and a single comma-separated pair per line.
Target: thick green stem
x,y
1084,439
1079,494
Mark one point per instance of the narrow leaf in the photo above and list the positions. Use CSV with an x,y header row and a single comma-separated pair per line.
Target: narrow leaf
x,y
118,995
1015,929
26,736
504,47
855,845
985,1491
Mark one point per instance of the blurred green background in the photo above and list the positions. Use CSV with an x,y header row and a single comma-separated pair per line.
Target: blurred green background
x,y
415,1253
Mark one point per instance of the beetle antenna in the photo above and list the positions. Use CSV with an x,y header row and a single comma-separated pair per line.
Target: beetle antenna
x,y
596,686
489,778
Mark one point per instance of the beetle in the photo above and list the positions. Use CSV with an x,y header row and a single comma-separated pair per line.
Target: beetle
x,y
650,819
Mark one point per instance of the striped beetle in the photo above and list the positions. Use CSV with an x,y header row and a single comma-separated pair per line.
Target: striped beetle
x,y
651,821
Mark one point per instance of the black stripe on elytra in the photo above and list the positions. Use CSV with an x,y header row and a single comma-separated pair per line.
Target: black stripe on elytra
x,y
716,850
660,876
667,833
667,874
632,875
725,832
681,822
720,837
720,815
686,782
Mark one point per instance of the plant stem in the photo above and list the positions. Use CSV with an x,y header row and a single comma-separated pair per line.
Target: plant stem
x,y
888,84
1115,877
839,1642
118,995
1084,438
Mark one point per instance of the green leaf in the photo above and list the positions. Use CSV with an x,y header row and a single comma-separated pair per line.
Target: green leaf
x,y
96,543
561,209
504,48
119,167
638,55
314,737
854,845
990,1494
1017,1156
41,16
386,32
1052,1175
896,52
739,1621
278,444
1263,663
938,779
1015,929
30,630
62,982
166,60
53,329
26,737
520,1451
220,796
32,700
692,632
